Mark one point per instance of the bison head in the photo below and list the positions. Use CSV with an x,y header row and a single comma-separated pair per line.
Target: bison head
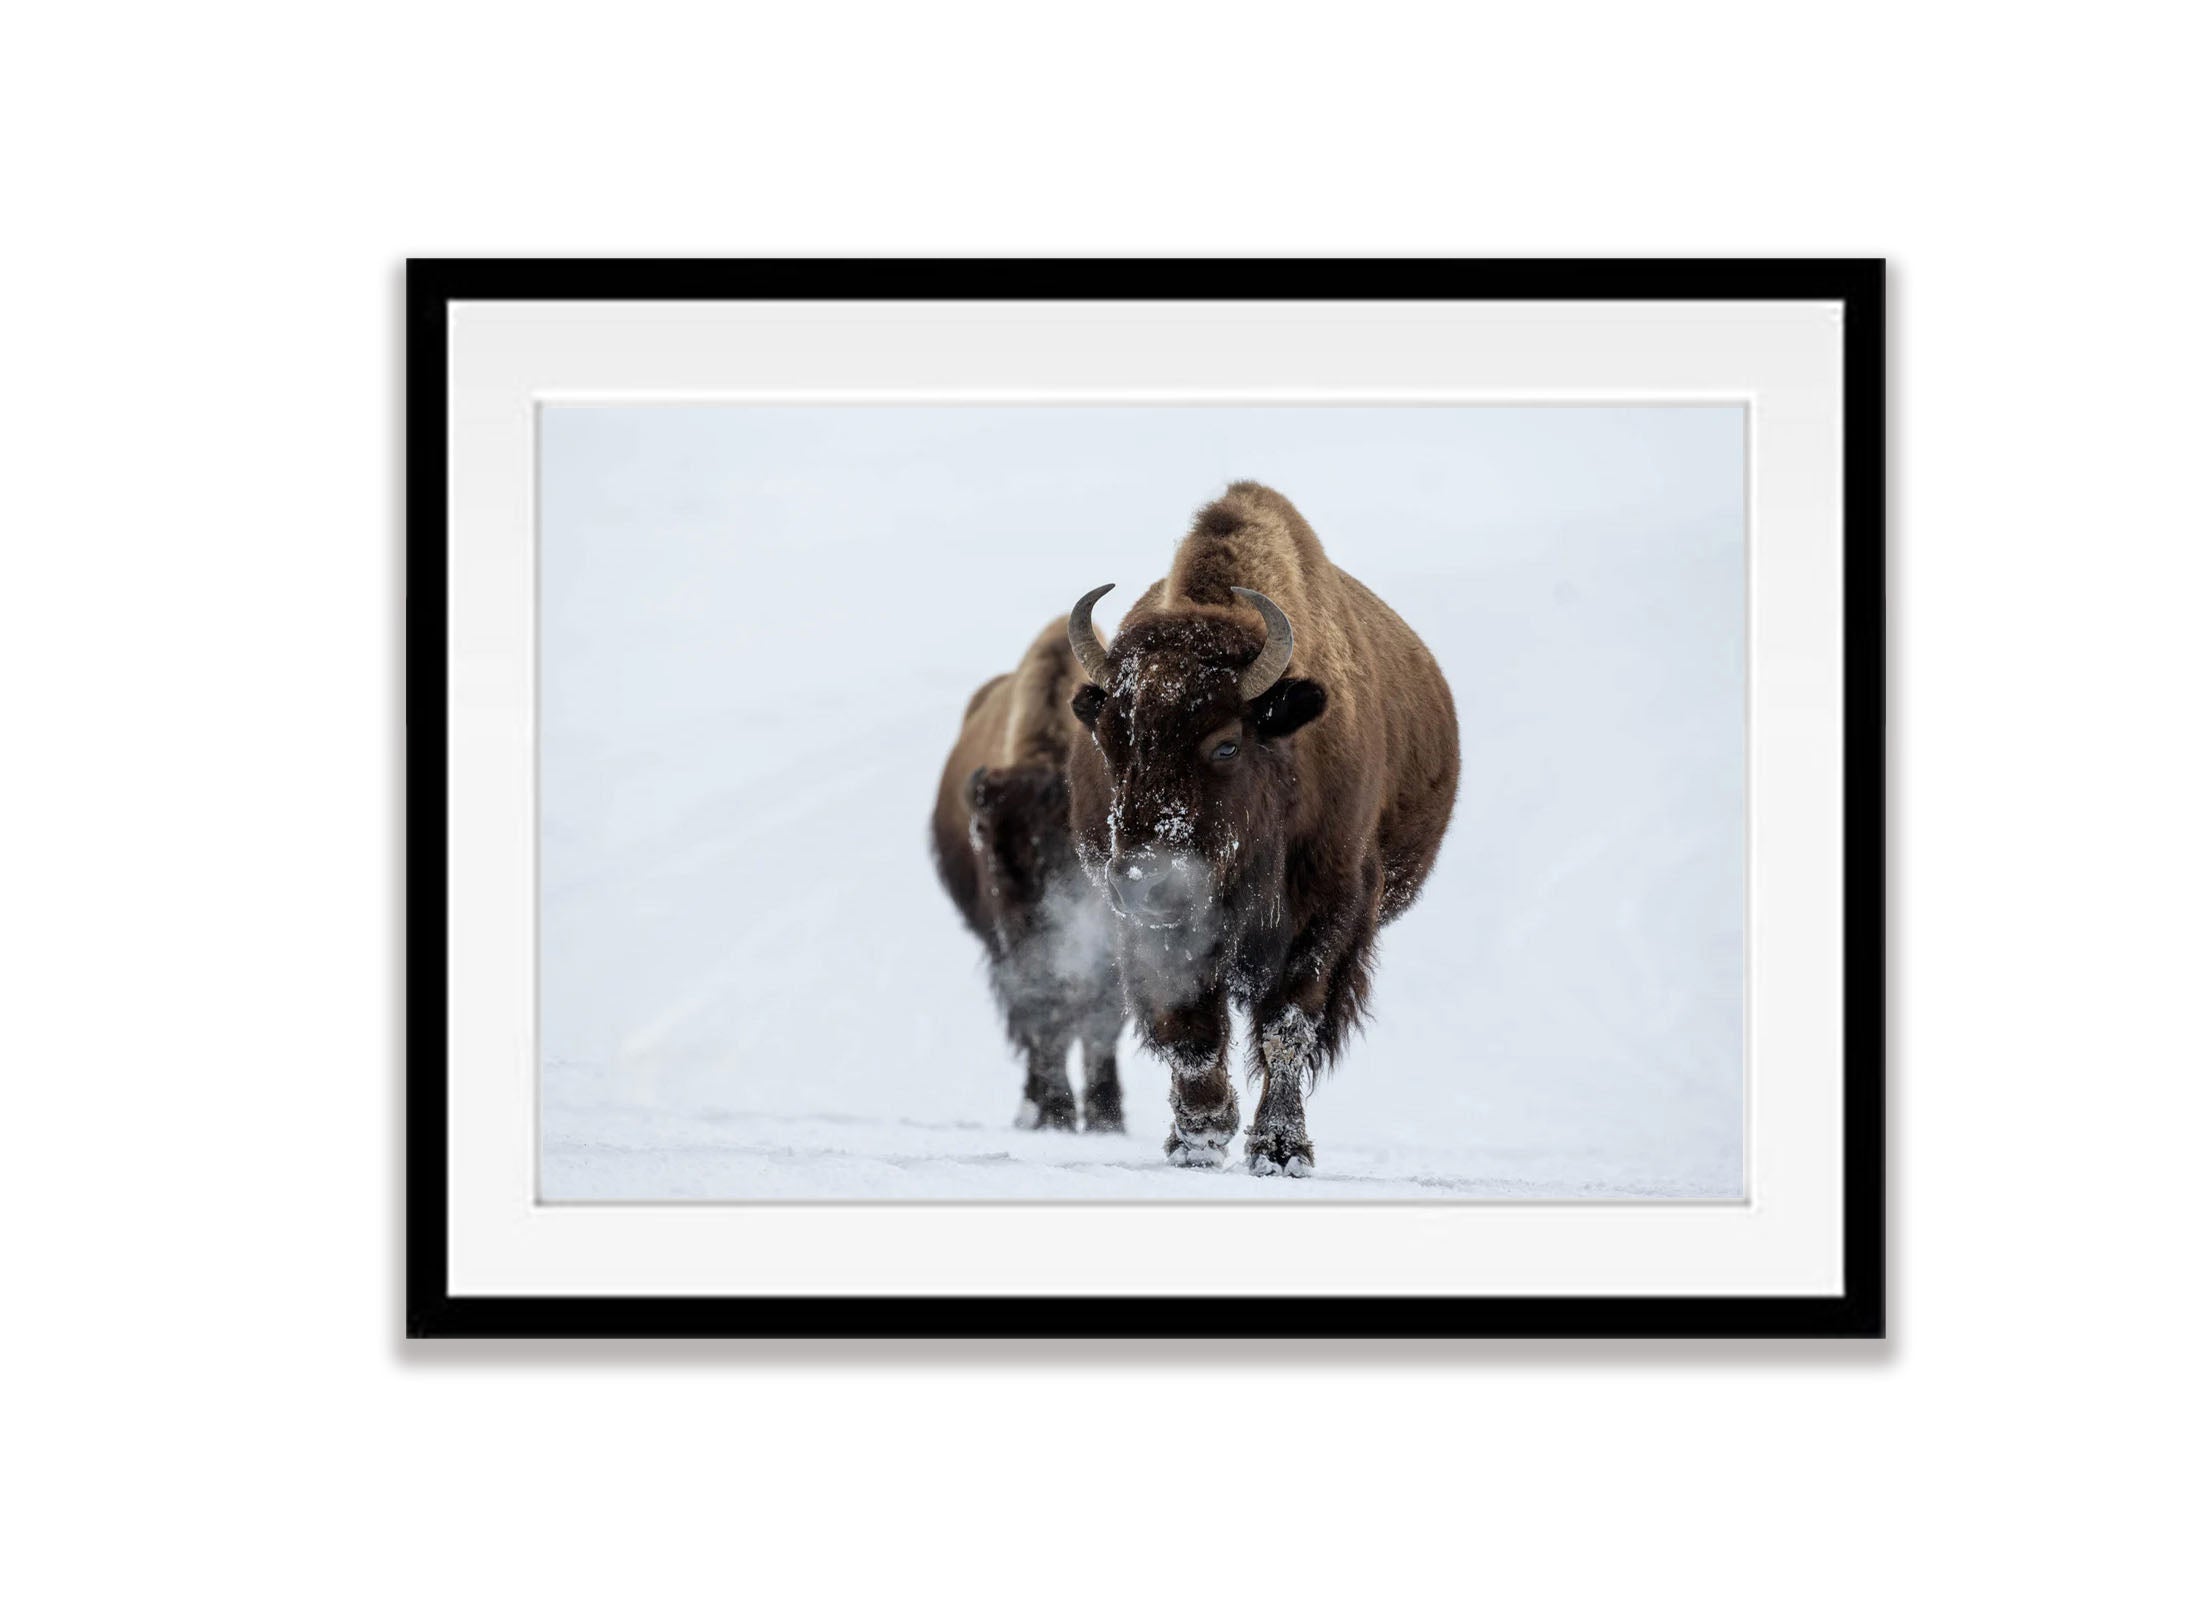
x,y
1019,833
1192,713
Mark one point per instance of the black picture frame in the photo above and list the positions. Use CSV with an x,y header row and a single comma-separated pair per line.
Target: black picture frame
x,y
1859,1311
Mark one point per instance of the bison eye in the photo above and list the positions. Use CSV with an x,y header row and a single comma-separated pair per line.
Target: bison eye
x,y
1224,751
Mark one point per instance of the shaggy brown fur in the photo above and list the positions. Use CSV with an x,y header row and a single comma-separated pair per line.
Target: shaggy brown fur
x,y
1254,849
1000,838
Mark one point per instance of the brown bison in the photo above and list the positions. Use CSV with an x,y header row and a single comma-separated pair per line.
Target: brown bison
x,y
1000,837
1269,772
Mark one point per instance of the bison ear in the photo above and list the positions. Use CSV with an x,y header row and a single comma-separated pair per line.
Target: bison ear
x,y
1287,707
1085,704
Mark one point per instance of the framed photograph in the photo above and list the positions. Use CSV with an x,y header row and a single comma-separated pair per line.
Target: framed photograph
x,y
1171,799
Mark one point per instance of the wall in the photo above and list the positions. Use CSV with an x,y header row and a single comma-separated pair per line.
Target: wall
x,y
201,505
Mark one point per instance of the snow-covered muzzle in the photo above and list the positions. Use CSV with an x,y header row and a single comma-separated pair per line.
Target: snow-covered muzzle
x,y
1160,890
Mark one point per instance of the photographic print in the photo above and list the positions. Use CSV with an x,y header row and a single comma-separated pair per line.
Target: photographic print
x,y
995,797
1381,827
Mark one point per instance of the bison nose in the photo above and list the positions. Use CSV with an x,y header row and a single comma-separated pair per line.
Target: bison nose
x,y
1149,889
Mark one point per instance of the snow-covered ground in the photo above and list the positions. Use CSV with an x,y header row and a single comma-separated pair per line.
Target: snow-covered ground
x,y
759,629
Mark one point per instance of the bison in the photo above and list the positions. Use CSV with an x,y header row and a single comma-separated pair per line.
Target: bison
x,y
1268,771
1000,838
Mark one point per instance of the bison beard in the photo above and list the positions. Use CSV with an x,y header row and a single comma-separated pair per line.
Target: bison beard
x,y
1255,829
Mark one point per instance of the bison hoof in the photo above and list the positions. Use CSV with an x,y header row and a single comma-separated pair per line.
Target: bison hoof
x,y
1051,1112
1104,1111
1208,1147
1264,1158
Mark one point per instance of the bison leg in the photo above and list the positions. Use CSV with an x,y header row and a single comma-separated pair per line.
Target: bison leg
x,y
1299,1026
1103,1090
1049,1101
1196,1042
1278,1142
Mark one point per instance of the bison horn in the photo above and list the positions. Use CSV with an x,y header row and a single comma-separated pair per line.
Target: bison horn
x,y
1274,656
1083,643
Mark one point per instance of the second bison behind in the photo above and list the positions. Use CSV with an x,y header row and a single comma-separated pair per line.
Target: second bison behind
x,y
1267,770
